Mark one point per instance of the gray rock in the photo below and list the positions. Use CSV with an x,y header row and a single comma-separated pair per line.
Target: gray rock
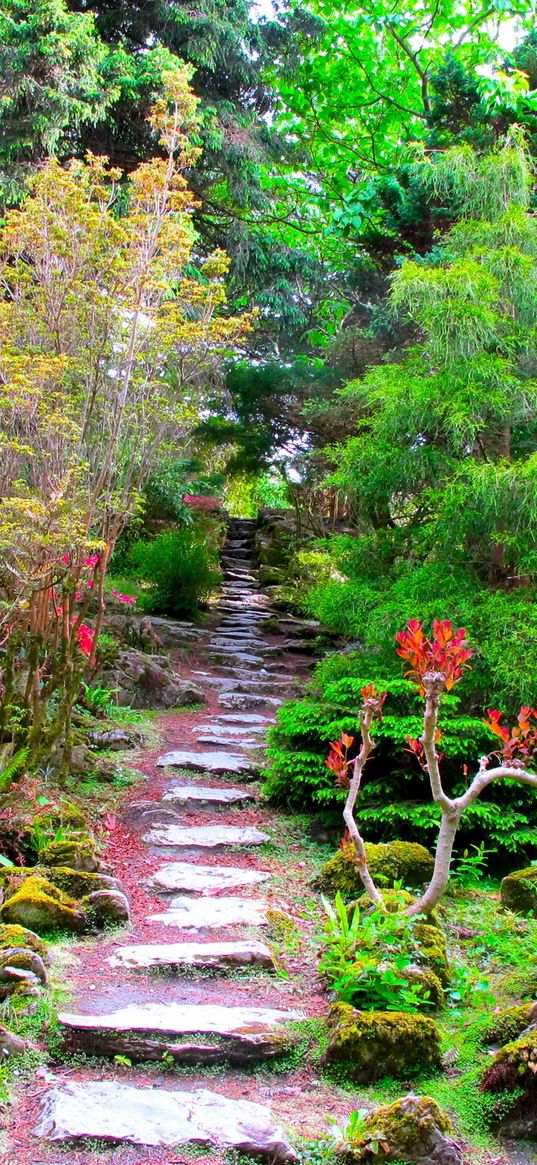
x,y
204,879
116,739
225,654
17,979
191,1033
25,959
107,907
143,682
209,762
10,1044
191,794
198,913
116,1112
172,956
205,836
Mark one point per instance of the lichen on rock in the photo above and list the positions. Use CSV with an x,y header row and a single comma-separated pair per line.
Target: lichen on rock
x,y
413,1130
371,1044
12,935
76,853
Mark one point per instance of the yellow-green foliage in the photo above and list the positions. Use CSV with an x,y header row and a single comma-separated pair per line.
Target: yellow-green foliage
x,y
370,1044
509,1024
398,861
519,891
429,984
40,905
19,936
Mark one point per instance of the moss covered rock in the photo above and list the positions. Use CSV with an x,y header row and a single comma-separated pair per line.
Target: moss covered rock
x,y
414,1130
512,1079
519,891
19,936
76,853
106,908
371,1044
429,985
42,907
77,883
398,861
63,815
508,1025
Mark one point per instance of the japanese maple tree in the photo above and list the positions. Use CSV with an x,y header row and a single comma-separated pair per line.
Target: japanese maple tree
x,y
435,664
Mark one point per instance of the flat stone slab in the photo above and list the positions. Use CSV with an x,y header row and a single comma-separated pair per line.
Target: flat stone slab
x,y
109,1111
202,794
173,956
198,913
243,718
209,762
218,655
222,740
205,836
247,700
237,729
204,879
191,1033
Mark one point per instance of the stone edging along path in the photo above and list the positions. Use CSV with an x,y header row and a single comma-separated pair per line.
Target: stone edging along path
x,y
196,986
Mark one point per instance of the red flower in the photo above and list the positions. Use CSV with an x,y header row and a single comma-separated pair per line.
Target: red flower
x,y
124,598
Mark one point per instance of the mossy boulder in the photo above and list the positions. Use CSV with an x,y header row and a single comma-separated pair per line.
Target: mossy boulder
x,y
508,1025
42,907
76,853
520,983
519,891
77,883
19,936
371,1044
512,1079
414,1130
106,908
398,861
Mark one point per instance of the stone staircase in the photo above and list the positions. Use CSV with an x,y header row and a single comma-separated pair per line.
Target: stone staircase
x,y
252,675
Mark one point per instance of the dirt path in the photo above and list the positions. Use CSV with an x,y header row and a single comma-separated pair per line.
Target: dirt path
x,y
192,998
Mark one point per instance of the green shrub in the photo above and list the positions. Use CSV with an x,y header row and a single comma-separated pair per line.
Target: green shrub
x,y
182,568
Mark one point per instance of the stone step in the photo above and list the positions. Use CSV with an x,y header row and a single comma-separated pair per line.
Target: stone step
x,y
221,740
242,718
209,762
204,836
197,879
190,1033
205,795
173,956
237,730
245,700
213,913
209,913
222,654
107,1110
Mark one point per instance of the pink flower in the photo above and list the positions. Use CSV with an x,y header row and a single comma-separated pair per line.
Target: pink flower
x,y
124,598
92,560
84,637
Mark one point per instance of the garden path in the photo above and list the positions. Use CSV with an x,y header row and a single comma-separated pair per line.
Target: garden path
x,y
195,987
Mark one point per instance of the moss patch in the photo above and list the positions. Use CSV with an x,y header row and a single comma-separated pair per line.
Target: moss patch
x,y
19,936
